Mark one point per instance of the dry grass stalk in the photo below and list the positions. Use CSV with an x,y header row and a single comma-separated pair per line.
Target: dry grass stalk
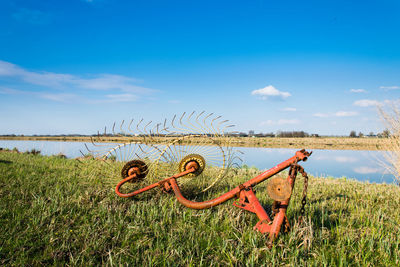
x,y
391,118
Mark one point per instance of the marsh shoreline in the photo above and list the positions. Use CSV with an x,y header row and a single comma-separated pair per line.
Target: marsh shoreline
x,y
331,143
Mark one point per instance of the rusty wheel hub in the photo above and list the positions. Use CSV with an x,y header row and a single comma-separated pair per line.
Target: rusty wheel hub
x,y
192,160
134,166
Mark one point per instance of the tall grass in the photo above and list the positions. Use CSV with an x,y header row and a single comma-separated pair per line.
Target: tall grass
x,y
57,211
391,118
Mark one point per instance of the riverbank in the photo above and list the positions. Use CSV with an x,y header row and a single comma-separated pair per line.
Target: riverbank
x,y
334,143
58,211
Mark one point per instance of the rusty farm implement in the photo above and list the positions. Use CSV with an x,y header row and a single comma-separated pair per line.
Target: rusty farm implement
x,y
192,150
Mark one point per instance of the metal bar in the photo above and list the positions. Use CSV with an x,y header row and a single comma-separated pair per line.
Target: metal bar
x,y
144,189
300,155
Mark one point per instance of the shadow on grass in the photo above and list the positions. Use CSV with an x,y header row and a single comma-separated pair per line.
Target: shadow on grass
x,y
5,161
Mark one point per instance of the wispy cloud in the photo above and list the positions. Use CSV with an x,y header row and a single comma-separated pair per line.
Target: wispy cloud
x,y
321,115
174,101
65,98
344,159
289,109
59,80
336,114
346,114
357,91
390,87
9,91
366,170
280,122
270,92
122,87
31,16
122,98
366,103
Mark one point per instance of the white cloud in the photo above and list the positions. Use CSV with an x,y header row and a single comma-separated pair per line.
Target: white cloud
x,y
289,109
321,115
270,91
9,91
344,159
280,122
122,87
345,113
366,170
390,87
58,97
358,91
122,98
59,80
366,103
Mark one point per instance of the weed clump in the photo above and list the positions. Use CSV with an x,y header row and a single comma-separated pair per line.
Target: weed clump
x,y
391,118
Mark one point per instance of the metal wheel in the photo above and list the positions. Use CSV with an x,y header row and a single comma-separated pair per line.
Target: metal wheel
x,y
163,147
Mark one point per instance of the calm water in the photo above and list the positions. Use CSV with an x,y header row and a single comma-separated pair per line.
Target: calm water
x,y
361,165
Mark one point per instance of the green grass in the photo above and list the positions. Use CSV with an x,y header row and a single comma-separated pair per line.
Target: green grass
x,y
60,211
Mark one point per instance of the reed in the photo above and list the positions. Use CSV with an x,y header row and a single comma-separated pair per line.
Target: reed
x,y
391,118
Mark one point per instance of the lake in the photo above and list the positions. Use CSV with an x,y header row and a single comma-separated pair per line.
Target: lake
x,y
354,164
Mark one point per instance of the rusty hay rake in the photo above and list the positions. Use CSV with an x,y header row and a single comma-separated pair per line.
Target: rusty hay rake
x,y
193,151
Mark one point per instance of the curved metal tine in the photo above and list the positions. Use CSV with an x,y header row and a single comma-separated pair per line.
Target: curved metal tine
x,y
173,128
185,129
145,130
95,153
129,128
219,126
93,142
228,126
182,124
205,125
198,123
150,152
155,130
189,120
165,126
216,131
202,125
113,128
122,130
143,136
141,149
150,134
160,152
178,130
190,126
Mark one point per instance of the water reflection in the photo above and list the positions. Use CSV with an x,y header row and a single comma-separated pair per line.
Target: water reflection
x,y
361,165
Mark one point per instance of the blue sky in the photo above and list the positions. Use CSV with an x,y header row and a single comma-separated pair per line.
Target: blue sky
x,y
318,66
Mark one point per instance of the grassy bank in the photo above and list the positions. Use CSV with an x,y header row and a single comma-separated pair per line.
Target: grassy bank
x,y
59,211
346,143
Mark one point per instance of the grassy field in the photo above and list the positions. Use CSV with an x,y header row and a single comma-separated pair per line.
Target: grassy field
x,y
60,211
347,143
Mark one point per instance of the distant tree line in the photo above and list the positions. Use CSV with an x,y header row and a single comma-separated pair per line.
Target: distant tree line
x,y
384,134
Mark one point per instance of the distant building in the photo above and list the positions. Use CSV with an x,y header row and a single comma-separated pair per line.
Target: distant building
x,y
251,133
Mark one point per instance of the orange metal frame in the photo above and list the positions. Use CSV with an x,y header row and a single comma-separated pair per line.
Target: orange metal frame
x,y
247,199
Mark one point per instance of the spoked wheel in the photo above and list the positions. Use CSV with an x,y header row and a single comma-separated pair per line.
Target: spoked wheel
x,y
212,159
160,150
137,167
121,160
